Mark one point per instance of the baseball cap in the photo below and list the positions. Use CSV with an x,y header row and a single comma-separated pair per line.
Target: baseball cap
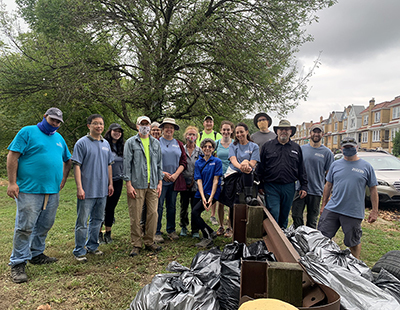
x,y
115,126
317,126
348,141
208,117
143,118
55,113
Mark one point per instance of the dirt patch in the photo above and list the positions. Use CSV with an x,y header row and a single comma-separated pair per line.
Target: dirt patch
x,y
3,182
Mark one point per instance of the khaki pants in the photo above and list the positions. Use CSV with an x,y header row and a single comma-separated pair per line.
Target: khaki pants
x,y
135,210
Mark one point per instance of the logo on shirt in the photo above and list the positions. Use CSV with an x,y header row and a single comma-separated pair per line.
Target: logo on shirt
x,y
59,144
319,155
105,148
358,170
248,152
212,164
293,151
174,145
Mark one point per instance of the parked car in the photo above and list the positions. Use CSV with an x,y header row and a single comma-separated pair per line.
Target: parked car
x,y
387,171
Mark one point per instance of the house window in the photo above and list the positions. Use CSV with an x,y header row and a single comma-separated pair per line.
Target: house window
x,y
386,138
334,140
344,124
365,120
396,112
394,132
376,136
365,137
335,126
353,123
377,116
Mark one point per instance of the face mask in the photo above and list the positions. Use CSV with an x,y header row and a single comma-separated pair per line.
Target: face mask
x,y
190,138
46,128
144,130
349,151
263,125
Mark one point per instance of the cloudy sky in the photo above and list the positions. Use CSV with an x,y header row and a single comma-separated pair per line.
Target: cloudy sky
x,y
359,41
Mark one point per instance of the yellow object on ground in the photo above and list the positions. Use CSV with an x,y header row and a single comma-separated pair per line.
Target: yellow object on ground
x,y
266,304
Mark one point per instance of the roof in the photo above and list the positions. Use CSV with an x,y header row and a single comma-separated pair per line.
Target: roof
x,y
381,105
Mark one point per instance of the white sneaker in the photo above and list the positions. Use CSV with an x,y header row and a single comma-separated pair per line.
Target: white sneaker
x,y
82,258
95,252
214,220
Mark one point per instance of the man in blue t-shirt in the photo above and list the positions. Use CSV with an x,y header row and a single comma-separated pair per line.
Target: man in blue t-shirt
x,y
347,179
317,159
92,158
38,164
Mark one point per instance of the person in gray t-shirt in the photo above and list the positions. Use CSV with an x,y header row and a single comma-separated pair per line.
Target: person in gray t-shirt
x,y
262,121
317,159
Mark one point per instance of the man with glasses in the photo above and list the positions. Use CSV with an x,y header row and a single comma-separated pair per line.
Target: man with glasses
x,y
38,164
92,158
262,121
317,160
346,180
281,164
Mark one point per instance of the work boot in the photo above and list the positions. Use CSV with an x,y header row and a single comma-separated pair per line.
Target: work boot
x,y
101,238
153,248
107,237
173,236
18,273
248,194
158,239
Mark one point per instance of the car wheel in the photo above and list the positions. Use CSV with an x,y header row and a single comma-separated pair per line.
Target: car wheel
x,y
389,262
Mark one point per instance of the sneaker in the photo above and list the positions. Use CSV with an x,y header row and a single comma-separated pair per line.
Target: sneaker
x,y
205,243
42,259
213,235
135,251
213,220
101,238
173,236
96,252
82,258
158,239
183,232
107,237
196,235
153,248
229,233
18,273
220,231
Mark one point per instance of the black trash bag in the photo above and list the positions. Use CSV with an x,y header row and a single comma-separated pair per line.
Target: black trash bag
x,y
258,251
228,293
184,290
389,283
356,292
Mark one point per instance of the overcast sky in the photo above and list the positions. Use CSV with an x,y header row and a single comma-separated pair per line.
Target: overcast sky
x,y
359,41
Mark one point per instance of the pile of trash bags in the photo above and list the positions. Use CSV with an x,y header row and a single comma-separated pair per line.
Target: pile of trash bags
x,y
350,277
212,282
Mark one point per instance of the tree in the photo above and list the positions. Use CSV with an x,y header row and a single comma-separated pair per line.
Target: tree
x,y
176,58
396,144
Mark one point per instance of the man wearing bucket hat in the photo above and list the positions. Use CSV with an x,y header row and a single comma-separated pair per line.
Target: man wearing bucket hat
x,y
317,160
38,164
281,164
262,121
347,179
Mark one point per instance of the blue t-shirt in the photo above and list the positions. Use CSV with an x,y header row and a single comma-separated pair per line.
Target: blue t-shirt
x,y
40,166
316,162
94,157
171,154
206,171
349,179
223,154
250,151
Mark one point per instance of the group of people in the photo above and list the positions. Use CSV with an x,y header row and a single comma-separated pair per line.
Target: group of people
x,y
156,166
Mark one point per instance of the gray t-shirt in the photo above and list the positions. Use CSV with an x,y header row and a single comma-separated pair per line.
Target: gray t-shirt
x,y
261,137
94,157
349,179
316,162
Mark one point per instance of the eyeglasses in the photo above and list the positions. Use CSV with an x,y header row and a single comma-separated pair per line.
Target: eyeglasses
x,y
348,140
97,124
207,147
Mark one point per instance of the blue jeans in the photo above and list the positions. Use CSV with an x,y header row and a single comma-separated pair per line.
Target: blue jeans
x,y
169,195
278,200
32,223
93,207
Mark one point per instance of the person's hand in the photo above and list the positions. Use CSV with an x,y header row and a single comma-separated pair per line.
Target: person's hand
x,y
131,191
173,177
302,194
205,204
13,190
159,189
167,176
80,193
209,203
110,190
373,216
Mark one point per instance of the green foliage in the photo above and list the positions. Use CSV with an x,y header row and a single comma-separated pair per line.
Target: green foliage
x,y
396,144
182,59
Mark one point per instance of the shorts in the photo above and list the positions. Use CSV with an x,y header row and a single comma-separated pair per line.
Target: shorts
x,y
330,222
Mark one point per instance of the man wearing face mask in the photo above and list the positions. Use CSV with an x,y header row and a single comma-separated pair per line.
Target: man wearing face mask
x,y
347,179
38,164
262,121
143,175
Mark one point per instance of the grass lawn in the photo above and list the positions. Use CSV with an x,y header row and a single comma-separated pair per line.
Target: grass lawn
x,y
112,281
